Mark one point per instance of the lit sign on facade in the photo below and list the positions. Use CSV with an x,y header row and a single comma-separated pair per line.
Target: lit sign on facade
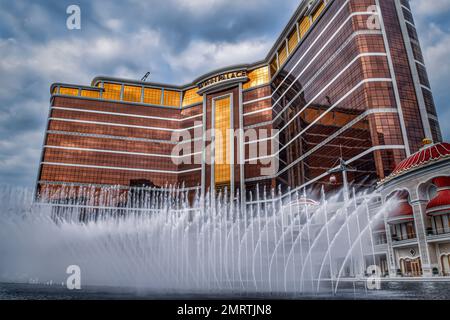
x,y
222,77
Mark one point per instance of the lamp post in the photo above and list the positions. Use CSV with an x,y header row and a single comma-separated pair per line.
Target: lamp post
x,y
344,168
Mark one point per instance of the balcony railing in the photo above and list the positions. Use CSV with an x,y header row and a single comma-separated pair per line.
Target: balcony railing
x,y
438,232
397,238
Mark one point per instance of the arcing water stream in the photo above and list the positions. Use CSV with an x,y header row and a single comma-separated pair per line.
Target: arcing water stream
x,y
162,241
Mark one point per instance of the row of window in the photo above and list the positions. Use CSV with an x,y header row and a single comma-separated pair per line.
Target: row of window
x,y
155,96
293,39
136,94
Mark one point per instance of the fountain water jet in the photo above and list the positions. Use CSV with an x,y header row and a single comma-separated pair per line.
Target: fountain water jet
x,y
161,240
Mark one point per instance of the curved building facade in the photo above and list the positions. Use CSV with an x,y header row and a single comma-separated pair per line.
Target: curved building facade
x,y
345,79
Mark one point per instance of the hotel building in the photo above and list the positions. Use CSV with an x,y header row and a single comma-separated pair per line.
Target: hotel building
x,y
346,78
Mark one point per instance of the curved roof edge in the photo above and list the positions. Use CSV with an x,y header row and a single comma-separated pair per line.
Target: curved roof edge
x,y
185,86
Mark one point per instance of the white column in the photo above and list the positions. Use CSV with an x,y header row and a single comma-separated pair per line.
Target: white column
x,y
419,207
391,260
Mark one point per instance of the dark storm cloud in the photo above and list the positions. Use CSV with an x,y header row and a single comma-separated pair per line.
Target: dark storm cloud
x,y
177,40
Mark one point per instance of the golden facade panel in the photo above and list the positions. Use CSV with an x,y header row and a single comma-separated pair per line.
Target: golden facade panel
x,y
152,96
222,124
132,93
68,91
171,98
304,25
293,40
191,97
112,91
318,11
282,55
257,77
90,93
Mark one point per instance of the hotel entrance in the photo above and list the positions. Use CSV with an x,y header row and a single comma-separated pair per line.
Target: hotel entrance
x,y
411,267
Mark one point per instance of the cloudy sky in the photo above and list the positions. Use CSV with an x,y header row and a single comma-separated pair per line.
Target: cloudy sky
x,y
177,40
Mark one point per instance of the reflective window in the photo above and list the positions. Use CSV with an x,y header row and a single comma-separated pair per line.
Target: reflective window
x,y
282,55
191,97
304,25
132,94
68,91
152,96
171,98
90,93
318,11
222,122
257,77
292,40
112,91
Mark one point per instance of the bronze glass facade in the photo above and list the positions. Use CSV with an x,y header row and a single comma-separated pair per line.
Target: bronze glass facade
x,y
346,78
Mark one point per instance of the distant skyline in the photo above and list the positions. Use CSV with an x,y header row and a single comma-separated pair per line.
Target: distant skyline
x,y
176,40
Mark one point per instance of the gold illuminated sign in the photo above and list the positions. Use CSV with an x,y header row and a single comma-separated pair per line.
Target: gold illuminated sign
x,y
222,77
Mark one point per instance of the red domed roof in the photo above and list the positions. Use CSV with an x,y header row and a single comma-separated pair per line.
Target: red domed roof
x,y
441,203
403,211
425,156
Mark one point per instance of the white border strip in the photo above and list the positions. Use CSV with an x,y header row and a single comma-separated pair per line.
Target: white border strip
x,y
117,168
350,17
325,88
376,148
121,138
257,111
126,114
329,61
336,134
256,100
124,125
318,118
122,152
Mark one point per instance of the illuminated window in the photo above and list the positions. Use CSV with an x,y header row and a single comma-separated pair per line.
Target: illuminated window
x,y
191,97
68,91
90,93
318,11
132,94
171,98
293,40
257,77
273,66
282,55
112,91
222,122
304,25
152,96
